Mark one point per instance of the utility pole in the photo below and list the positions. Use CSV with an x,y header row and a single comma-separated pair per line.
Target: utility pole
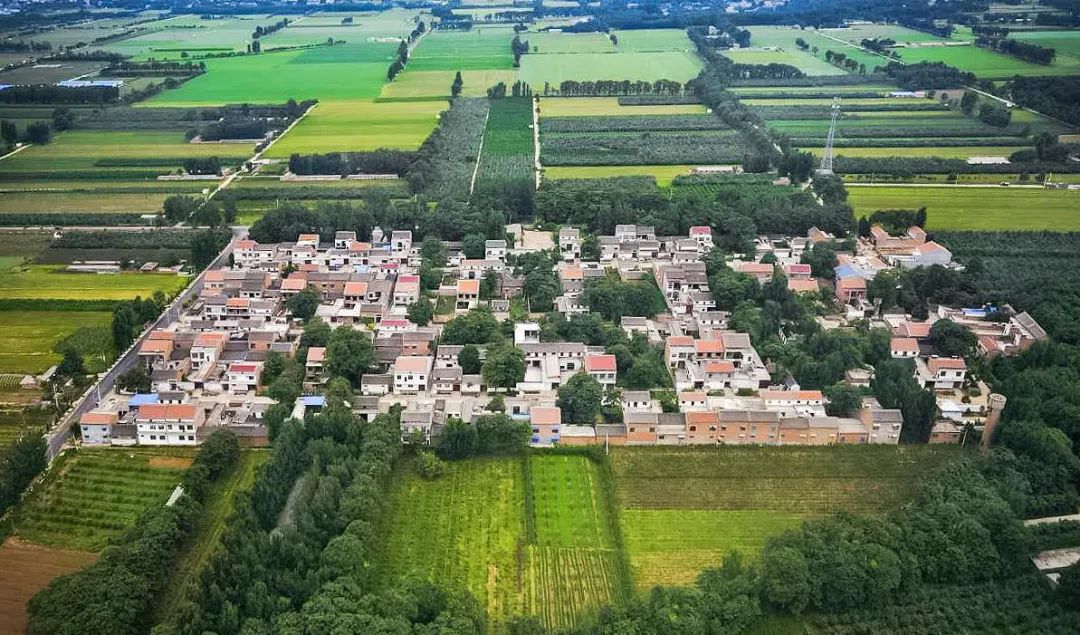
x,y
827,157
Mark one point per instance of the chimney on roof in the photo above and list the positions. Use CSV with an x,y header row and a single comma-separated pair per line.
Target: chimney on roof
x,y
997,404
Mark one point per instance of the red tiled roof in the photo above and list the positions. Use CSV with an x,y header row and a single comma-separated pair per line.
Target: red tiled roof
x,y
545,415
600,363
906,344
150,412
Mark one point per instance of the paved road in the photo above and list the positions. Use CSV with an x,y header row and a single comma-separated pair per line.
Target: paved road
x,y
61,432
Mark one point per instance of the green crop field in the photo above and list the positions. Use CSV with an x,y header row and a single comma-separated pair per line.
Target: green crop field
x,y
27,338
652,40
986,64
606,106
341,126
810,62
557,42
664,174
508,142
474,527
478,49
805,62
38,202
554,69
945,152
685,508
81,150
858,32
49,282
977,208
93,495
331,73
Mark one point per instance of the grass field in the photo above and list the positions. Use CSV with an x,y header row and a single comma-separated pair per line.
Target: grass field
x,y
197,551
27,338
685,508
554,69
805,62
45,202
342,126
169,38
80,150
341,72
986,64
474,526
48,282
663,173
976,208
1065,43
477,49
607,106
95,494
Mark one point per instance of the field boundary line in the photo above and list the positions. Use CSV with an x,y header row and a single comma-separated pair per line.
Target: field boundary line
x,y
16,150
537,168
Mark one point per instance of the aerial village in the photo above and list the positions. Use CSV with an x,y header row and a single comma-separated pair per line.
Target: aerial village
x,y
207,367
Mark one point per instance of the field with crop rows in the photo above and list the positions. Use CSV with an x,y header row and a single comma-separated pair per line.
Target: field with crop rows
x,y
507,153
478,49
684,508
641,148
548,553
976,208
435,85
95,494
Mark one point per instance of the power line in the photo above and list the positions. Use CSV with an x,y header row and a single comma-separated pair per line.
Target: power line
x,y
827,158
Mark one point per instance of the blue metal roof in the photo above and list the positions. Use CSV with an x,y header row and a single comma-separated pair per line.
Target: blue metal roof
x,y
313,401
143,399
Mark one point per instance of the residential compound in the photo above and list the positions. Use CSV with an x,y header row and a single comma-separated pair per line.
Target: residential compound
x,y
206,368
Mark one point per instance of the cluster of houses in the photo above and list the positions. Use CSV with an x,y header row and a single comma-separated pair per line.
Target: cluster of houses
x,y
206,367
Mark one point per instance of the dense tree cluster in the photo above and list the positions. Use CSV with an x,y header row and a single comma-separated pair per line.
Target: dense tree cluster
x,y
928,75
20,463
381,161
1018,48
51,94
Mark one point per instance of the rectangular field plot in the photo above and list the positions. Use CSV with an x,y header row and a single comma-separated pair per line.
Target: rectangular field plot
x,y
992,208
684,508
606,106
677,66
466,527
342,126
986,64
27,338
170,38
663,174
51,282
805,62
1065,43
346,71
477,49
474,526
507,153
96,494
114,154
15,422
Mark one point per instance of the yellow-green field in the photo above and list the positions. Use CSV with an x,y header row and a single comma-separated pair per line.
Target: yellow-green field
x,y
663,173
27,338
976,208
341,126
49,282
601,106
436,84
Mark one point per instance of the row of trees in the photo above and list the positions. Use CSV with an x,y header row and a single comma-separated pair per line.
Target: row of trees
x,y
381,161
1018,48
